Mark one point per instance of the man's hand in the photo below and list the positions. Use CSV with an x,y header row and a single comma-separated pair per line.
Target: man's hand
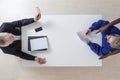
x,y
88,32
38,14
40,60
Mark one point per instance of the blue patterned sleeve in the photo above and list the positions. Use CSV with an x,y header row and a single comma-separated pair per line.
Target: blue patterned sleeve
x,y
98,24
97,49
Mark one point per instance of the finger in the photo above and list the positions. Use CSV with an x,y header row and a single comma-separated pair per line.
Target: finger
x,y
38,9
97,32
42,61
38,15
87,33
100,58
43,58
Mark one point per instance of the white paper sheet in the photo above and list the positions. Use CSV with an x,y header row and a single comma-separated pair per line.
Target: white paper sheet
x,y
83,36
39,43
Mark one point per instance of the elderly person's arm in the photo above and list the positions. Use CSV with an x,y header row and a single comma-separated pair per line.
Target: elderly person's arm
x,y
102,29
114,22
109,54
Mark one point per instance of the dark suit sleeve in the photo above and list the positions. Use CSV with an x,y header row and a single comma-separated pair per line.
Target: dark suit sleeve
x,y
11,26
18,53
24,55
22,22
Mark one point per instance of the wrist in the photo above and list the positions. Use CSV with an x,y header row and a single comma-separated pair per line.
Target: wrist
x,y
90,30
107,26
36,58
88,41
35,20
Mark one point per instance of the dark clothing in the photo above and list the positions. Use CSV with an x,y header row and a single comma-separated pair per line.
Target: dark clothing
x,y
15,29
105,48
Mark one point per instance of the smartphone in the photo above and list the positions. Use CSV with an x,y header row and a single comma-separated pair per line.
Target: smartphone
x,y
38,29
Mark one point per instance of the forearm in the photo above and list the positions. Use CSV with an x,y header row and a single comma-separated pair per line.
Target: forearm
x,y
25,56
96,48
109,54
22,22
113,23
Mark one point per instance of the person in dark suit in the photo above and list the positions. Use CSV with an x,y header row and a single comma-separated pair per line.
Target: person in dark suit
x,y
10,41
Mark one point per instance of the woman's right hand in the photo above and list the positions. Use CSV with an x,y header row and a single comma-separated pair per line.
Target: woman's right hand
x,y
88,32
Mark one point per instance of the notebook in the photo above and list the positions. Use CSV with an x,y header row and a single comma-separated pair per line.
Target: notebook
x,y
37,43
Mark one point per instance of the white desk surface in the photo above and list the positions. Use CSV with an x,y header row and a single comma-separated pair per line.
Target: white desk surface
x,y
65,47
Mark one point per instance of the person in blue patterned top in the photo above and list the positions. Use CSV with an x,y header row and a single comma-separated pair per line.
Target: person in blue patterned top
x,y
110,38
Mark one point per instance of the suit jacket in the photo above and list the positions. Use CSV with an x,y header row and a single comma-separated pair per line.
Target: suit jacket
x,y
15,28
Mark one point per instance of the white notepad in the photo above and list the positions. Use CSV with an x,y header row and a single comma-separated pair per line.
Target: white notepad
x,y
39,43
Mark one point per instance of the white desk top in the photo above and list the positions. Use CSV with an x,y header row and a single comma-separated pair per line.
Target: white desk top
x,y
65,47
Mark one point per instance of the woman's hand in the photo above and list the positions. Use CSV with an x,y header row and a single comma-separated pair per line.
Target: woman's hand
x,y
88,32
